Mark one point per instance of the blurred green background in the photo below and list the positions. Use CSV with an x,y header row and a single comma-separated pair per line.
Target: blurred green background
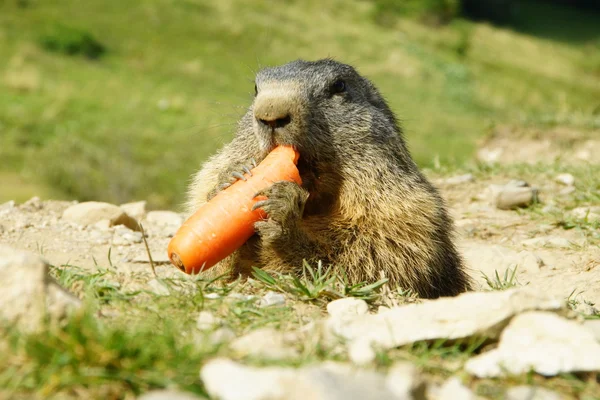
x,y
121,100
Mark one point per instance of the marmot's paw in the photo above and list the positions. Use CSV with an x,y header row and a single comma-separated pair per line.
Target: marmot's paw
x,y
231,175
284,206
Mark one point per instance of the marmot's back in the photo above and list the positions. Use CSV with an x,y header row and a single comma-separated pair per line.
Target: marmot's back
x,y
363,206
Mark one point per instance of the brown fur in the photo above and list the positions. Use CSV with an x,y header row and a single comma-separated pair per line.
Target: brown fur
x,y
363,205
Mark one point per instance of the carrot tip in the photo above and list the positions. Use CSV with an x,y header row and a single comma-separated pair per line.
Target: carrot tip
x,y
177,261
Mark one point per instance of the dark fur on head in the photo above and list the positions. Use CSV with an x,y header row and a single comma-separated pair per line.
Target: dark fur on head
x,y
363,206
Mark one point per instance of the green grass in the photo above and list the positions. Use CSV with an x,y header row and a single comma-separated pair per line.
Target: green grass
x,y
124,343
175,75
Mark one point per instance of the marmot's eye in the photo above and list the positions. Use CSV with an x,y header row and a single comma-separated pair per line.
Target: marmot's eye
x,y
338,86
255,89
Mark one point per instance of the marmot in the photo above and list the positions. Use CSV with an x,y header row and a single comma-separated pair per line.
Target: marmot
x,y
363,204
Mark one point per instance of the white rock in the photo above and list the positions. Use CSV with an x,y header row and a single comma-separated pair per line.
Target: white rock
x,y
168,395
28,293
272,299
550,241
92,212
206,320
590,214
165,218
158,288
266,343
452,389
7,208
136,209
361,352
324,382
512,197
222,335
565,179
212,296
33,204
405,381
531,393
593,325
459,179
482,313
542,342
347,307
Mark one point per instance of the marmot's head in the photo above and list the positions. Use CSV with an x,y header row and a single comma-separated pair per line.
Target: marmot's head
x,y
318,107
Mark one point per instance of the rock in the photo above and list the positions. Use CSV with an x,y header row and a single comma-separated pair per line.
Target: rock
x,y
158,288
212,296
589,214
92,212
29,294
531,393
361,352
206,321
473,313
7,208
272,299
452,389
168,395
542,342
266,343
406,382
33,204
549,241
164,218
593,325
347,307
328,381
459,179
565,179
135,209
512,197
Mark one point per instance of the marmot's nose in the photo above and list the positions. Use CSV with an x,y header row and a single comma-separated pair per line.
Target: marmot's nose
x,y
273,108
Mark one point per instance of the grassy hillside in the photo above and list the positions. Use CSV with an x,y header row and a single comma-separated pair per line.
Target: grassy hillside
x,y
175,76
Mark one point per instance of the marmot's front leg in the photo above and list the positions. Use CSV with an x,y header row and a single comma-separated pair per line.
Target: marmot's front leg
x,y
282,232
284,206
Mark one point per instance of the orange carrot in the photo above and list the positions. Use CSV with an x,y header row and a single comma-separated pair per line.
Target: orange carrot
x,y
226,222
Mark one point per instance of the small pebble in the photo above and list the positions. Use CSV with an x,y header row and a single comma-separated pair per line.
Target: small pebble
x,y
565,179
272,299
347,307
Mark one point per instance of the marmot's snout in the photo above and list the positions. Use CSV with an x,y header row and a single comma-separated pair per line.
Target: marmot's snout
x,y
278,114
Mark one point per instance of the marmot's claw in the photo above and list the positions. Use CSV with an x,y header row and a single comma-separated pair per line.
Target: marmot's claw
x,y
247,170
238,175
259,204
284,206
253,162
224,186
